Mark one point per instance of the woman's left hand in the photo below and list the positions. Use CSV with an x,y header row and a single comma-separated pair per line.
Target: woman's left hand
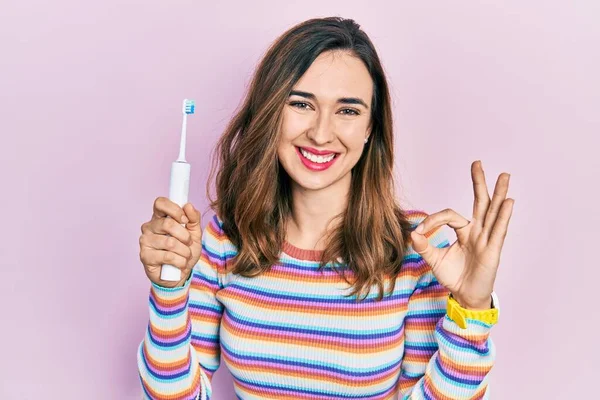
x,y
468,267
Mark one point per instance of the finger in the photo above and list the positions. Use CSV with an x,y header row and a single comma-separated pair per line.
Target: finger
x,y
194,224
427,228
482,197
168,243
420,244
445,217
163,207
160,257
500,192
500,229
168,226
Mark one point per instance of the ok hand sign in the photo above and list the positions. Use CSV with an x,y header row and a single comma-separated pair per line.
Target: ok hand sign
x,y
468,267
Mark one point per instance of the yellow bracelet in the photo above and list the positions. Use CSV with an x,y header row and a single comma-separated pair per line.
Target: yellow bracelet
x,y
459,315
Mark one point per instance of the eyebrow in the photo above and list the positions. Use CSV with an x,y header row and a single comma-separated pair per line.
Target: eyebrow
x,y
341,100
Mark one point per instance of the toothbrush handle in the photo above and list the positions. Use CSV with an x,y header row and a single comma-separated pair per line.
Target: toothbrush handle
x,y
178,193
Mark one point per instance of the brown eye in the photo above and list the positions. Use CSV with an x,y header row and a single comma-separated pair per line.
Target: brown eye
x,y
299,104
349,111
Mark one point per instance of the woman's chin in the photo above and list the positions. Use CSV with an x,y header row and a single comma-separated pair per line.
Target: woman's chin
x,y
311,184
312,181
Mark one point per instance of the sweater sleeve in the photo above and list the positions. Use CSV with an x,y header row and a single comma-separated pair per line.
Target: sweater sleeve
x,y
441,360
180,351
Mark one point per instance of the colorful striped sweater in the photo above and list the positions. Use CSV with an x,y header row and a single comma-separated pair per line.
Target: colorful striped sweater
x,y
291,334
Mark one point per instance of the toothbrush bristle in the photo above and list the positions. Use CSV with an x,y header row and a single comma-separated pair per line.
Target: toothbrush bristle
x,y
189,106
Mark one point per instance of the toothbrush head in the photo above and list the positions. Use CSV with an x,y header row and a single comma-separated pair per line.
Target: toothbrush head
x,y
189,106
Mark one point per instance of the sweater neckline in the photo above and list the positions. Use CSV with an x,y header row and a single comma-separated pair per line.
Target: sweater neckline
x,y
302,254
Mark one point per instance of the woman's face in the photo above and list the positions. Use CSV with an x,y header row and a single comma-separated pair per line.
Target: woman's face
x,y
325,122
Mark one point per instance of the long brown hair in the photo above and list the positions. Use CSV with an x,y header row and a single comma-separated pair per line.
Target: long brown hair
x,y
253,195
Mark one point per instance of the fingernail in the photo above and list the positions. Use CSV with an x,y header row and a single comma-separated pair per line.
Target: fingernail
x,y
419,229
184,219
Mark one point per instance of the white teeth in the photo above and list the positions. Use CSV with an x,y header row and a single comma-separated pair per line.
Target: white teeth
x,y
315,158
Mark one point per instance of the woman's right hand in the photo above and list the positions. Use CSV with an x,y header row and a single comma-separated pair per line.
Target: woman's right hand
x,y
165,241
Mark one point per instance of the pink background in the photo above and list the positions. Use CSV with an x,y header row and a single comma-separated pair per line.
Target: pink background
x,y
90,97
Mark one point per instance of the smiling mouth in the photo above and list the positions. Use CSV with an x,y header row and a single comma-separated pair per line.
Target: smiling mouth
x,y
316,162
317,158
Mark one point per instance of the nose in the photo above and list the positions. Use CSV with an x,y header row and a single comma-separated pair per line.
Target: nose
x,y
322,131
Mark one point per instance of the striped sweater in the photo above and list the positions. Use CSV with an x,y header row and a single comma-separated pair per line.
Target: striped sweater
x,y
290,333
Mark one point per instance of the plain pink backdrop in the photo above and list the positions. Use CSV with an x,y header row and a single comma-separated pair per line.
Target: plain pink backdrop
x,y
90,96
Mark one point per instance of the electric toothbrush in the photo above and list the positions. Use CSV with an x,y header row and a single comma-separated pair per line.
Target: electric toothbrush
x,y
179,185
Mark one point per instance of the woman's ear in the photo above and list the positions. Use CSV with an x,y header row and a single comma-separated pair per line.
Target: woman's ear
x,y
368,134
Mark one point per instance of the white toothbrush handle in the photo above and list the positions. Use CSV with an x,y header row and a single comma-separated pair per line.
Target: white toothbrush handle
x,y
178,193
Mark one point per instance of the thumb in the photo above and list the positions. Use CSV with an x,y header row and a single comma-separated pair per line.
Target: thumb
x,y
194,217
421,245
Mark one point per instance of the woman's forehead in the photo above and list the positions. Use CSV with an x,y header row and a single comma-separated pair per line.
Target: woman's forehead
x,y
337,74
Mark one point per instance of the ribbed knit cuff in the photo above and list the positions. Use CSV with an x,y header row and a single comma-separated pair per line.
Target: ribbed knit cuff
x,y
168,306
170,293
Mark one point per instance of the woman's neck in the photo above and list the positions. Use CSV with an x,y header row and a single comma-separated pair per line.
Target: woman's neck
x,y
313,212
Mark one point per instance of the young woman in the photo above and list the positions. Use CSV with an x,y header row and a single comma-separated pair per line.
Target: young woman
x,y
310,281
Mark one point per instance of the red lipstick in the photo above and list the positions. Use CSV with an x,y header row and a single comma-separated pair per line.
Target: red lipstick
x,y
318,152
314,166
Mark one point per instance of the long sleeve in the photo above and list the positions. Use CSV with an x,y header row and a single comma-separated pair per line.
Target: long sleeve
x,y
442,361
180,351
